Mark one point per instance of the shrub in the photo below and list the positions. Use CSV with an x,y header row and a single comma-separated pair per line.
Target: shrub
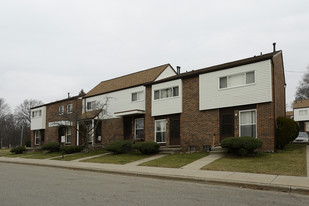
x,y
51,147
242,145
18,150
72,149
147,147
286,131
28,143
119,147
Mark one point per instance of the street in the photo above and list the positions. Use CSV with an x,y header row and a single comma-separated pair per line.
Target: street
x,y
34,185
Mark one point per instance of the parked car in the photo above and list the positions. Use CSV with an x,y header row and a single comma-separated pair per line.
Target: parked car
x,y
302,138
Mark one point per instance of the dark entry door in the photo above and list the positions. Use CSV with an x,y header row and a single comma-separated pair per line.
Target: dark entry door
x,y
227,125
127,125
175,131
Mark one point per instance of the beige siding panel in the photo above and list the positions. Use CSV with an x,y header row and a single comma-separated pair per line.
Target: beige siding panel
x,y
301,114
38,122
211,97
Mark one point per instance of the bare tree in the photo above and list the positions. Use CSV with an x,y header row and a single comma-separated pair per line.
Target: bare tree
x,y
23,111
302,91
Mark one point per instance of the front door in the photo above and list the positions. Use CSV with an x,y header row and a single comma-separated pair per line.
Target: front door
x,y
227,125
175,131
127,125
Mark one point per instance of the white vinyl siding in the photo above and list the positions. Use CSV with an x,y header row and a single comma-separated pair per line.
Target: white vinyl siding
x,y
160,131
236,86
247,123
167,98
38,118
301,114
168,72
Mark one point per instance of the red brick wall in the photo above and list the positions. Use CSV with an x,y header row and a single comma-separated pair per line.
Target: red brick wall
x,y
112,130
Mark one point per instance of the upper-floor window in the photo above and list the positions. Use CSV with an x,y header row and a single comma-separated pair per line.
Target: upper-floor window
x,y
303,112
237,80
61,110
91,105
69,108
37,113
166,93
137,96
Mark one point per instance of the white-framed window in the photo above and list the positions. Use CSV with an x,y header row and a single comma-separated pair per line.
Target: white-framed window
x,y
61,110
166,93
160,131
37,113
303,112
247,123
235,80
91,105
69,108
36,137
139,128
68,135
137,96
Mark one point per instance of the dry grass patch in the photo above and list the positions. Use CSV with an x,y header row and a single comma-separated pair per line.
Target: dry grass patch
x,y
291,161
175,160
81,155
4,152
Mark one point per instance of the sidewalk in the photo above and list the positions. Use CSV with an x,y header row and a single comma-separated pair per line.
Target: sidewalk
x,y
190,172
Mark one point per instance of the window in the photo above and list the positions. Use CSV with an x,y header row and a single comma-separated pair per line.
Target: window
x,y
139,128
137,96
69,108
247,123
37,113
91,105
61,110
303,112
237,80
36,137
160,130
68,135
166,93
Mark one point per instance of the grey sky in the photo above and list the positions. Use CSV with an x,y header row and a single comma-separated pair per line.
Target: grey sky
x,y
51,47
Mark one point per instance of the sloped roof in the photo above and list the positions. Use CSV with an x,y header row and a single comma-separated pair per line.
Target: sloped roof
x,y
127,81
301,103
289,113
222,66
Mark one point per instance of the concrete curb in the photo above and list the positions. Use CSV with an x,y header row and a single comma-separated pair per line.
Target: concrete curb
x,y
250,185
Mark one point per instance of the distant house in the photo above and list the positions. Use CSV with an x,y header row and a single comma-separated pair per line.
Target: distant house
x,y
301,114
190,110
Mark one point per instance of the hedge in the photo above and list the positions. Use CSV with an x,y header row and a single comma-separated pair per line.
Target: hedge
x,y
286,131
147,147
18,150
72,149
119,147
241,145
51,147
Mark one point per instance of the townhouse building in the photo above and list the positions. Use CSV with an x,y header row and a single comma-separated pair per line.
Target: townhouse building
x,y
191,110
301,114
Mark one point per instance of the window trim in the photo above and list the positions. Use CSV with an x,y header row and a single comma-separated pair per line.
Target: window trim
x,y
160,91
37,136
92,105
240,85
69,111
61,111
36,113
155,130
66,135
137,96
135,137
239,125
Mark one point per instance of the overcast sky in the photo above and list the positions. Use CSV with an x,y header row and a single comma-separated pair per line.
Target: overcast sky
x,y
51,47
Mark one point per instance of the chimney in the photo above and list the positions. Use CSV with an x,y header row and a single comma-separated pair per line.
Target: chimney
x,y
274,46
178,69
68,94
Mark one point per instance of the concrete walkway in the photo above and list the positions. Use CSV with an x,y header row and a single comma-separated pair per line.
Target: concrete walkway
x,y
190,172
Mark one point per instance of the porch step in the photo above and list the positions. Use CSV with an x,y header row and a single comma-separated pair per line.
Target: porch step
x,y
170,150
218,149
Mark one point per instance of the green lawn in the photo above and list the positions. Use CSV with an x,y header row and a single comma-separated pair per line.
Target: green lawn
x,y
4,152
175,160
291,161
80,155
42,155
118,158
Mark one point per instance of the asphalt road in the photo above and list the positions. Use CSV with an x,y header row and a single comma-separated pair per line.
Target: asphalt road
x,y
32,185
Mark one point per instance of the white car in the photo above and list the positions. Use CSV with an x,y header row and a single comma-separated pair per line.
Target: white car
x,y
302,138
